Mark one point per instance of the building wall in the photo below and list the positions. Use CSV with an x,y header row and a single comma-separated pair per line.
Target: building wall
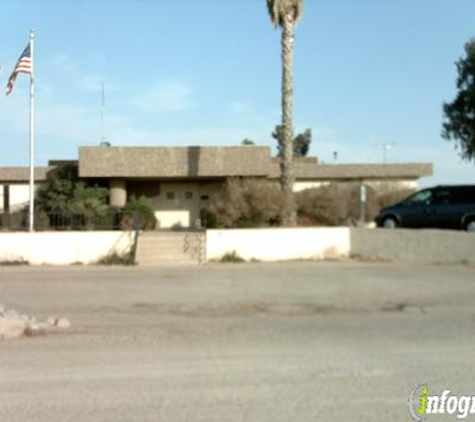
x,y
382,186
300,186
392,185
176,204
19,196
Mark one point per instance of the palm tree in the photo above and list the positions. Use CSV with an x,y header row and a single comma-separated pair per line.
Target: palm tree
x,y
286,13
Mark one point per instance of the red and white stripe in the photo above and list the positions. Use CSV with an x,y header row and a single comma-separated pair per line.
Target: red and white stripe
x,y
23,66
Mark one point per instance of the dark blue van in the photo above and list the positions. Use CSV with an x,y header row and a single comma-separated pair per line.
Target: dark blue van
x,y
445,207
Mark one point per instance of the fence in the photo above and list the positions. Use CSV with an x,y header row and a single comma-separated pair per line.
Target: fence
x,y
110,220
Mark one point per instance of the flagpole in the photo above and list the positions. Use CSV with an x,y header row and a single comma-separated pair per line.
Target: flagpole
x,y
32,134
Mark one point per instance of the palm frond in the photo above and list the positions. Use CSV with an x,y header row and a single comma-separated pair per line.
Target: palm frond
x,y
280,8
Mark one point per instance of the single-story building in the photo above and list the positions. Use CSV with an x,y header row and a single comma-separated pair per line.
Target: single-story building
x,y
179,181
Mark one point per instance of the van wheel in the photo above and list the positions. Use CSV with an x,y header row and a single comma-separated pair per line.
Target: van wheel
x,y
390,223
470,226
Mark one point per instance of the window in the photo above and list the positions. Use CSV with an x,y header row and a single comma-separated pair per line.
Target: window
x,y
420,198
188,195
170,195
441,196
204,197
463,195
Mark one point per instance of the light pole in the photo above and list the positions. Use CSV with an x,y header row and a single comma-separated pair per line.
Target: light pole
x,y
386,147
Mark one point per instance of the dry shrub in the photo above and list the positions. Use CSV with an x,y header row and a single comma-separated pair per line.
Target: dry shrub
x,y
339,203
320,207
247,203
258,203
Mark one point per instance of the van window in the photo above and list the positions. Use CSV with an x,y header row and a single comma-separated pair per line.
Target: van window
x,y
420,198
442,197
463,195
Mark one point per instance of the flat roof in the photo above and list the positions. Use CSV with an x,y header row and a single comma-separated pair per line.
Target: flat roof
x,y
195,162
171,162
22,174
357,171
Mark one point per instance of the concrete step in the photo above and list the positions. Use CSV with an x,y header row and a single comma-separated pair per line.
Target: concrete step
x,y
162,239
158,233
164,256
170,263
161,248
165,245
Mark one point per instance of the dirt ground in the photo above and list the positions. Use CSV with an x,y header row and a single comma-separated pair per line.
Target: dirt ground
x,y
253,342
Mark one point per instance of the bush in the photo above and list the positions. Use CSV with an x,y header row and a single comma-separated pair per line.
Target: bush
x,y
146,214
17,220
208,219
41,220
247,203
65,202
14,262
116,259
65,194
320,206
232,257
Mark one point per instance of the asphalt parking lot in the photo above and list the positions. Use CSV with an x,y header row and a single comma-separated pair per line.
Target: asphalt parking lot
x,y
300,341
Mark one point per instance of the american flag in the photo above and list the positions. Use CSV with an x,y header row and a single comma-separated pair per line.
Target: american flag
x,y
23,65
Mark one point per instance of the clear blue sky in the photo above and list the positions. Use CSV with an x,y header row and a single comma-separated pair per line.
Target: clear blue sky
x,y
208,73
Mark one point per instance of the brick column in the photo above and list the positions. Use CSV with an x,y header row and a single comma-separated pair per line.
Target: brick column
x,y
118,192
6,198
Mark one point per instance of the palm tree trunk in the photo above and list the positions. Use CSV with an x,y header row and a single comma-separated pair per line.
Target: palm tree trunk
x,y
287,166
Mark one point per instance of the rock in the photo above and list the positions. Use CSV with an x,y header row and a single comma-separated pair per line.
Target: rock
x,y
37,329
51,320
11,314
14,325
63,323
11,328
27,319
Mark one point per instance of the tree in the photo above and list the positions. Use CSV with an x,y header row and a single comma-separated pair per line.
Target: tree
x,y
301,143
459,122
286,13
248,142
64,194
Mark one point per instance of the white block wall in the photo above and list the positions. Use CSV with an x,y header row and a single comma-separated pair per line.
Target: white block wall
x,y
279,244
62,248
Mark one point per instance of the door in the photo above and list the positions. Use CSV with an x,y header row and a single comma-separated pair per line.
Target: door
x,y
451,204
444,213
415,211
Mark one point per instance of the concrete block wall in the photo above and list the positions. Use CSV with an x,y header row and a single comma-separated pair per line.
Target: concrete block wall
x,y
430,246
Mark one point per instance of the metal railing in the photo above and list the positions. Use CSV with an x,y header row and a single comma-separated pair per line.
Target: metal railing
x,y
110,220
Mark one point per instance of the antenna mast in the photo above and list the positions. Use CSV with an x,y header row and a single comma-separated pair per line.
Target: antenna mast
x,y
386,147
103,111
